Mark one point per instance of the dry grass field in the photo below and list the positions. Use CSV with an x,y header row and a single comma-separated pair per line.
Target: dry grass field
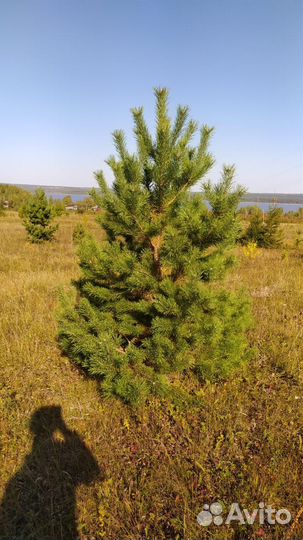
x,y
109,472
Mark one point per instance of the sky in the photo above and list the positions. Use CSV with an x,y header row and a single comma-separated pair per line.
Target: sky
x,y
71,70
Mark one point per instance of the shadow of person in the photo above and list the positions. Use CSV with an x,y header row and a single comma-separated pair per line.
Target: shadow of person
x,y
40,500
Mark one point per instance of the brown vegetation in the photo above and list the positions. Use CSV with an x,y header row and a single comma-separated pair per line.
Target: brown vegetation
x,y
159,466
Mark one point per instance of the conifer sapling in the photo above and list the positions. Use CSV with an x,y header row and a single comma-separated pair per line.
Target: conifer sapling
x,y
37,215
150,311
266,233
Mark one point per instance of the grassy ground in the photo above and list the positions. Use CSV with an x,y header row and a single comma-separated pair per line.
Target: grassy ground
x,y
144,475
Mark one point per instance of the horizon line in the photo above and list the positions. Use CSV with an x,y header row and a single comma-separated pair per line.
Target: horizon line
x,y
88,188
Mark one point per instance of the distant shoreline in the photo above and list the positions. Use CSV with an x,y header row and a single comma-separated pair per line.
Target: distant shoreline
x,y
274,198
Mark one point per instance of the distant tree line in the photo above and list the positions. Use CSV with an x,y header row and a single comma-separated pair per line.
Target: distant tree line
x,y
13,197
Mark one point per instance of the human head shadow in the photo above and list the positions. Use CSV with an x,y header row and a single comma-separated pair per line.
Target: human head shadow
x,y
40,500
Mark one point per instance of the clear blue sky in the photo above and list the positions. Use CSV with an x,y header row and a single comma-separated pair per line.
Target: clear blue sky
x,y
71,70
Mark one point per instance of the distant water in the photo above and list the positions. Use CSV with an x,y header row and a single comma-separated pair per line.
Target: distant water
x,y
287,207
60,196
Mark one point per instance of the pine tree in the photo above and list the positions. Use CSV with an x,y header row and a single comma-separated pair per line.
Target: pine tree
x,y
256,228
267,233
150,311
273,233
37,215
67,200
78,233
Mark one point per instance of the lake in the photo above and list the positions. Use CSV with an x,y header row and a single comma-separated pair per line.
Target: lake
x,y
75,196
287,207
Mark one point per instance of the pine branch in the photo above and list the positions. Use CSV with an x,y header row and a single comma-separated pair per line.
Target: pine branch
x,y
144,139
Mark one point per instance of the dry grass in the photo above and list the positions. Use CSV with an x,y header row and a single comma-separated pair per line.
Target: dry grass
x,y
159,466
